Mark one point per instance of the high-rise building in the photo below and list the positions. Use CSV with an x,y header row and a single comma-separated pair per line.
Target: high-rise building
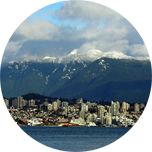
x,y
58,103
15,103
128,106
84,107
101,111
136,107
124,106
31,103
49,107
81,114
24,102
142,106
79,101
55,106
109,109
7,102
118,106
115,106
20,101
65,104
108,118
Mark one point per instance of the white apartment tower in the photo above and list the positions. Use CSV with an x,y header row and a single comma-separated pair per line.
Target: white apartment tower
x,y
84,107
101,111
49,107
136,107
115,106
55,105
108,118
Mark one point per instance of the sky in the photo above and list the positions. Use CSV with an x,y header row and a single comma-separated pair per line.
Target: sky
x,y
58,29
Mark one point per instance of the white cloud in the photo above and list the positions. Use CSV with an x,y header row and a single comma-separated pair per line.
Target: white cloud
x,y
92,32
27,56
11,50
106,39
86,11
37,30
105,46
8,46
104,30
13,46
114,33
138,50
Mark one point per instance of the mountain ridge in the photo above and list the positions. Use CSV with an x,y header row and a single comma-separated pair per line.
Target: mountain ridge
x,y
75,79
81,56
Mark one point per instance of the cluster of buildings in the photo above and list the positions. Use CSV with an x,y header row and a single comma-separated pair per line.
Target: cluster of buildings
x,y
20,103
59,113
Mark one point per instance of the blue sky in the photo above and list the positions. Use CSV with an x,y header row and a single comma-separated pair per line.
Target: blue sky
x,y
58,29
46,13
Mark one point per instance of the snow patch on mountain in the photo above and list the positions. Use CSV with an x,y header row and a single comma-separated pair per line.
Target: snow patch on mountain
x,y
66,76
47,79
65,67
24,67
54,70
16,67
101,62
69,73
38,72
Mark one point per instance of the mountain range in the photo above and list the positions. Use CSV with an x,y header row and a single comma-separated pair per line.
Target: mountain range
x,y
93,76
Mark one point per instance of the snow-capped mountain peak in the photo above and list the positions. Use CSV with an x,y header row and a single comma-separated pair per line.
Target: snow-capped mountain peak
x,y
85,56
92,55
80,56
73,52
116,55
95,54
47,58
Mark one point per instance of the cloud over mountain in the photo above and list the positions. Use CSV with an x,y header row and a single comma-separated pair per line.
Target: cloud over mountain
x,y
77,25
